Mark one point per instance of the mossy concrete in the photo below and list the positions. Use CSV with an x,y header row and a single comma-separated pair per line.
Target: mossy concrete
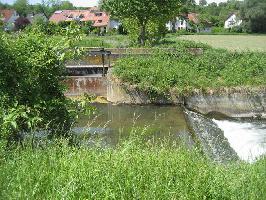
x,y
232,102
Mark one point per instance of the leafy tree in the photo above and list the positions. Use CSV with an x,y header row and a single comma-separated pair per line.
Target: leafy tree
x,y
21,23
253,13
66,5
203,2
143,13
31,88
21,6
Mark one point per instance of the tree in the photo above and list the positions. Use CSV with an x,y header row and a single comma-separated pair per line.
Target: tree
x,y
143,13
31,88
21,23
203,2
66,5
21,6
253,13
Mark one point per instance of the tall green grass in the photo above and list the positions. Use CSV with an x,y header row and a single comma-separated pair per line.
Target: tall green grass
x,y
182,71
130,171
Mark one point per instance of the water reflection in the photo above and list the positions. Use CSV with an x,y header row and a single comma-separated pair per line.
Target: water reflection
x,y
115,122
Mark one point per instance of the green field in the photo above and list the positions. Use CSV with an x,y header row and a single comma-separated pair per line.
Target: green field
x,y
231,42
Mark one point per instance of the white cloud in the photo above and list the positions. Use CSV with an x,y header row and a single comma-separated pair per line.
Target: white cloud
x,y
84,3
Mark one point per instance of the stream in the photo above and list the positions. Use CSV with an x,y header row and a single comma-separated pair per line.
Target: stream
x,y
223,140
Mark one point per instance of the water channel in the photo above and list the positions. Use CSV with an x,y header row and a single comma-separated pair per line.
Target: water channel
x,y
223,139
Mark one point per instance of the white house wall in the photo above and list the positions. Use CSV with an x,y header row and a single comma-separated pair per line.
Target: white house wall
x,y
232,21
179,24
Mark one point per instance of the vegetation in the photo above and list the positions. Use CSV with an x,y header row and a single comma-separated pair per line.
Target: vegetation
x,y
140,16
31,88
182,71
107,41
230,42
254,14
133,170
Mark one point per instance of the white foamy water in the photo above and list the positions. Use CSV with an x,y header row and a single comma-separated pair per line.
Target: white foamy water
x,y
247,139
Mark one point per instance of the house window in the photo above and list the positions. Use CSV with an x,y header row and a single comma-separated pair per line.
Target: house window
x,y
98,14
100,21
182,22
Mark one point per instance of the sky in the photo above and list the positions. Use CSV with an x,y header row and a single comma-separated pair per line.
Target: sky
x,y
88,3
79,3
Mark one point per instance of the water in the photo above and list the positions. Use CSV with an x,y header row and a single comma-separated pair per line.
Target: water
x,y
247,138
223,140
115,122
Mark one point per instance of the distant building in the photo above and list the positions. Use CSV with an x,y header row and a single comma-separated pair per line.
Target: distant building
x,y
178,24
183,22
98,18
232,21
8,16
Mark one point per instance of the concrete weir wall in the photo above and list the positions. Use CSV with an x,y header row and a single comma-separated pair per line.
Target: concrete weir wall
x,y
234,102
78,85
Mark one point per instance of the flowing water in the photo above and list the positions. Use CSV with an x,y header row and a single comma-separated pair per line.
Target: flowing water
x,y
222,140
246,137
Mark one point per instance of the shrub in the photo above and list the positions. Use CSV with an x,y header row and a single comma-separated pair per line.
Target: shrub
x,y
31,88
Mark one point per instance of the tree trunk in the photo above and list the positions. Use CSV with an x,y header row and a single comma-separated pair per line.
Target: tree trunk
x,y
142,36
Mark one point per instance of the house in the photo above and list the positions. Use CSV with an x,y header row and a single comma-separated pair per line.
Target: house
x,y
232,21
98,18
178,24
8,16
183,22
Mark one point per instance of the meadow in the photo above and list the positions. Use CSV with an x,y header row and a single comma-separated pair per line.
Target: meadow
x,y
230,42
132,170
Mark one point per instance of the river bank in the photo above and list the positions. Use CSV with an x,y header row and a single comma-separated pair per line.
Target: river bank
x,y
233,102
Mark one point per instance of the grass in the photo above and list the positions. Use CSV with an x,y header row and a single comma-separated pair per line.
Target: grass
x,y
230,42
184,72
112,41
133,170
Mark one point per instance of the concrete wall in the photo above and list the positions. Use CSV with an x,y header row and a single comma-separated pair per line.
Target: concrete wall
x,y
86,84
234,102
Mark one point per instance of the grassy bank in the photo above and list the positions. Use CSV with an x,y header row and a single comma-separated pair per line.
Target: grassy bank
x,y
183,72
131,171
230,42
112,41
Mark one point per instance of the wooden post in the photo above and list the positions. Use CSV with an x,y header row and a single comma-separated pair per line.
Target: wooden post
x,y
103,62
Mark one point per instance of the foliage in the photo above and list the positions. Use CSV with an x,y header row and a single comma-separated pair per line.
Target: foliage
x,y
31,88
21,23
143,14
22,7
254,14
130,171
182,71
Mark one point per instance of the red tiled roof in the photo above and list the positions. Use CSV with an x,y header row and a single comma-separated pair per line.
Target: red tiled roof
x,y
193,17
7,14
93,14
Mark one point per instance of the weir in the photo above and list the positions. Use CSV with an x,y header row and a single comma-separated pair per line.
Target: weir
x,y
88,74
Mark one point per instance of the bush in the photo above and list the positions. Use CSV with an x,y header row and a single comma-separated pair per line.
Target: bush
x,y
31,88
219,30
